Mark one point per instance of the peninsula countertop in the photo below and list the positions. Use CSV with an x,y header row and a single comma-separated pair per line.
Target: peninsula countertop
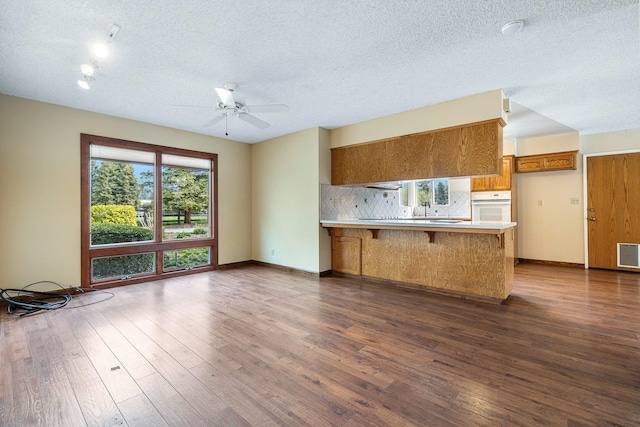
x,y
421,224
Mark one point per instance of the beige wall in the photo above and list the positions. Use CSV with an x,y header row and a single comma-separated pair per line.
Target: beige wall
x,y
476,108
547,144
40,187
610,141
550,227
286,174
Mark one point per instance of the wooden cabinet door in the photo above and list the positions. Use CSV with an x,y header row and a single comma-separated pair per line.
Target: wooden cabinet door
x,y
346,255
495,183
481,184
503,182
613,207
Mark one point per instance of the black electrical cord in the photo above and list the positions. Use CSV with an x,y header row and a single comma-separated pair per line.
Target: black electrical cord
x,y
30,302
24,303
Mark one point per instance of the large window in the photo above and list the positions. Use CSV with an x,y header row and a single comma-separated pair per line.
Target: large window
x,y
147,211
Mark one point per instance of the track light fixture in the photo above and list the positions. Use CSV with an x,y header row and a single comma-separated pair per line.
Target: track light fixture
x,y
99,50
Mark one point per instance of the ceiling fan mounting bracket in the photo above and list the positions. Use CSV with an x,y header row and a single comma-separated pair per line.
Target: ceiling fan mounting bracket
x,y
230,86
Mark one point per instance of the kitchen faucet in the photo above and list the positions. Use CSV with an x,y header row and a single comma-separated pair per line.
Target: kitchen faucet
x,y
426,205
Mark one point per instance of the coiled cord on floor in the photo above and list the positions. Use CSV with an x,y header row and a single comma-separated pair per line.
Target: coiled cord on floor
x,y
22,302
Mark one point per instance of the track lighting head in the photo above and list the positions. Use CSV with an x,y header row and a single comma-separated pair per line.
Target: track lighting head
x,y
88,69
85,82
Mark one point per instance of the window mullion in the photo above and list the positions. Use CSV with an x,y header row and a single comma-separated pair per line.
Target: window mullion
x,y
157,202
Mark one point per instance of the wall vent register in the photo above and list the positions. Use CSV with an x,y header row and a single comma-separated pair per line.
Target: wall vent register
x,y
628,255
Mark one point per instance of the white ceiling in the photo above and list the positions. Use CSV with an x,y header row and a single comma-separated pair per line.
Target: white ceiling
x,y
576,62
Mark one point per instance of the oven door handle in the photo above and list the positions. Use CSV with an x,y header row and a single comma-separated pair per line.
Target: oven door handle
x,y
491,202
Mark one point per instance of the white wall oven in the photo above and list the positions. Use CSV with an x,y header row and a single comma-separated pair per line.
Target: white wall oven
x,y
491,206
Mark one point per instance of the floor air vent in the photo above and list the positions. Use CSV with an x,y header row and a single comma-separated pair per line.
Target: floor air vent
x,y
628,255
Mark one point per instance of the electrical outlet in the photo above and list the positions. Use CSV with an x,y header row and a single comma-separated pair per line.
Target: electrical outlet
x,y
575,200
273,252
540,202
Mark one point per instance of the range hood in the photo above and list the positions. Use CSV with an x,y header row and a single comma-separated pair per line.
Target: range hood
x,y
386,186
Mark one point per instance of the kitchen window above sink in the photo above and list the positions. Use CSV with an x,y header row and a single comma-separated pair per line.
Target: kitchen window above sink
x,y
441,197
430,192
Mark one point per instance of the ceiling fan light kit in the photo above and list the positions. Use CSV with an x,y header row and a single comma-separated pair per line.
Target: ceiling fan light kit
x,y
512,27
100,51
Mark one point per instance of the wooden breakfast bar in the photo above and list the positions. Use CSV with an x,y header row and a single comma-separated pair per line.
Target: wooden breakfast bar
x,y
464,259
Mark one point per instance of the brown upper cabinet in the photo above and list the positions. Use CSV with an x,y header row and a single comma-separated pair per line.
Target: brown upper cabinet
x,y
565,160
496,183
472,149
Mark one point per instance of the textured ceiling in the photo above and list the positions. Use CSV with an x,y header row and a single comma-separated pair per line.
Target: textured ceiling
x,y
333,63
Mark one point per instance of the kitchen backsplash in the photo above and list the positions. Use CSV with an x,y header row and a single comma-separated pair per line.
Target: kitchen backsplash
x,y
459,206
360,202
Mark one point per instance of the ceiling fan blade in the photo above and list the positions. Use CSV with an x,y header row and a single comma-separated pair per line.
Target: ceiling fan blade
x,y
253,120
189,106
272,108
214,120
226,96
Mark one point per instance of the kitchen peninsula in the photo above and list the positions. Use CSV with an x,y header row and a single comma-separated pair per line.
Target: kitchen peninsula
x,y
465,259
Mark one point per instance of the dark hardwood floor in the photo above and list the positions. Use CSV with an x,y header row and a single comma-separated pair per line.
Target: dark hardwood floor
x,y
257,346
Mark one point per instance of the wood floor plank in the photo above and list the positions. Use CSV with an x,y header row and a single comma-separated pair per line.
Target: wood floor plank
x,y
252,411
205,402
95,401
134,363
117,380
256,346
174,409
138,411
53,389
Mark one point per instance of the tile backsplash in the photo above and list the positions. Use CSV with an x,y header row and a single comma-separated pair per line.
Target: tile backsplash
x,y
459,206
360,202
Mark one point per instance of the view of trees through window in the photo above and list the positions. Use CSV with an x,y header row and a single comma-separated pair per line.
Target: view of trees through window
x,y
185,193
122,186
430,192
116,209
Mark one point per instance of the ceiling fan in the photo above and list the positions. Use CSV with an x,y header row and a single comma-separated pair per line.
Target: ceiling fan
x,y
228,106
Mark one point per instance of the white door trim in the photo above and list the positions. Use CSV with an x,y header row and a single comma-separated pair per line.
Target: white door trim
x,y
584,194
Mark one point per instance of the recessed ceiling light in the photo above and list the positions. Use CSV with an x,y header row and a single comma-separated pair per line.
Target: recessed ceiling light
x,y
88,69
100,50
512,27
84,82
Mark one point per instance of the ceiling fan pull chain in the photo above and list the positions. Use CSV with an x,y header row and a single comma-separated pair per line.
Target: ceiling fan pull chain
x,y
226,124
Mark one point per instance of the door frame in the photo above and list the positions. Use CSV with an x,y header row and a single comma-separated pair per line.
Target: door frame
x,y
585,193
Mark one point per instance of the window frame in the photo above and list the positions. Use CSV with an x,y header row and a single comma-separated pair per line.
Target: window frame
x,y
158,246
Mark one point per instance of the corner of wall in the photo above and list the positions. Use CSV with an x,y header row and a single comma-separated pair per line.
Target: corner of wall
x,y
324,158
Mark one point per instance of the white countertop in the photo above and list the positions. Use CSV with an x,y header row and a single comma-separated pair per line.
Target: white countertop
x,y
417,223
